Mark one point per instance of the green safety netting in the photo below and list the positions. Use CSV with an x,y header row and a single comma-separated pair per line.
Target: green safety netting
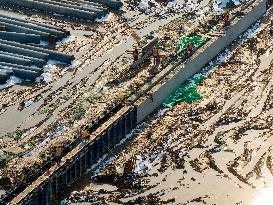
x,y
187,92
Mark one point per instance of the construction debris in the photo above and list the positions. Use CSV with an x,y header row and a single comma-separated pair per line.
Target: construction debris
x,y
35,118
212,150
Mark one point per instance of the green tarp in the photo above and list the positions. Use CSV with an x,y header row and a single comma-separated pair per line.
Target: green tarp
x,y
196,40
187,92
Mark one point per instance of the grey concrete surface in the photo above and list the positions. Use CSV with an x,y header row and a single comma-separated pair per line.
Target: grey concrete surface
x,y
194,65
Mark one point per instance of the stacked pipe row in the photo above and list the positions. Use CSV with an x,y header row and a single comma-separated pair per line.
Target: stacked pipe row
x,y
19,56
82,9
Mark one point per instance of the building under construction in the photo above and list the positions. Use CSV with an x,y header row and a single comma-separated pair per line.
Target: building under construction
x,y
85,49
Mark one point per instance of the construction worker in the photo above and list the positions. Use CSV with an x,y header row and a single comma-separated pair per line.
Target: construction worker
x,y
129,166
189,48
226,19
58,153
85,134
155,54
135,55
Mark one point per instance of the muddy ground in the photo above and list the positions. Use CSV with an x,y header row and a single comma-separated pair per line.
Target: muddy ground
x,y
217,150
34,116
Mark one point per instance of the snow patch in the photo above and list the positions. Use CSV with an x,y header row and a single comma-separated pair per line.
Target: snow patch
x,y
28,103
44,43
44,143
59,132
74,64
162,112
56,14
49,69
65,40
13,80
46,77
105,18
224,3
142,165
2,193
144,4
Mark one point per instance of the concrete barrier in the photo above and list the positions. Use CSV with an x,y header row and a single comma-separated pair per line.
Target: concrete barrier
x,y
85,6
110,3
83,9
47,7
90,3
74,5
80,159
20,29
20,73
33,23
34,61
25,74
6,69
76,163
146,52
22,51
15,60
195,64
16,33
3,77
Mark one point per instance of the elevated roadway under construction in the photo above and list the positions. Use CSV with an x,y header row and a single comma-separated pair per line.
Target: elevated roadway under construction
x,y
79,160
